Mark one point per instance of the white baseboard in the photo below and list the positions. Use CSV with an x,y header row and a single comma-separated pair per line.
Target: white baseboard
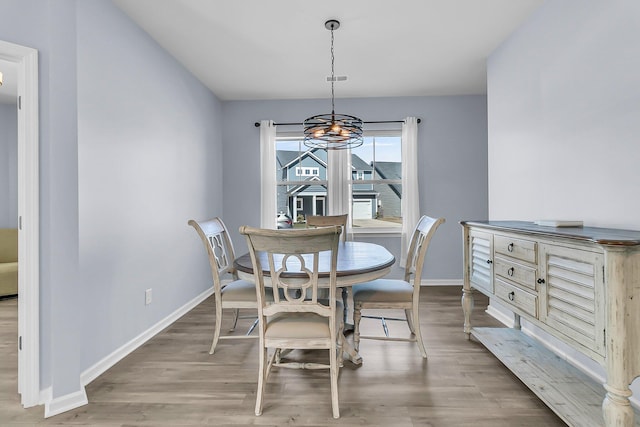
x,y
99,368
443,282
65,403
79,398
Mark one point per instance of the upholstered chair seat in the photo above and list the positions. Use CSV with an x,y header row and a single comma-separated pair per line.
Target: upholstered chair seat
x,y
236,294
390,294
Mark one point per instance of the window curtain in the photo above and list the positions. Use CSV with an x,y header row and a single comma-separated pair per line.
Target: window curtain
x,y
268,193
338,190
410,203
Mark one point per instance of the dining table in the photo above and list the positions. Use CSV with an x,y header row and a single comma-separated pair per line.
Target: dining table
x,y
357,262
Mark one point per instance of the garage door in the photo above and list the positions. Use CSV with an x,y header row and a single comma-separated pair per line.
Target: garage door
x,y
362,209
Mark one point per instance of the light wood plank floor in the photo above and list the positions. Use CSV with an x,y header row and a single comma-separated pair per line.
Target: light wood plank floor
x,y
172,380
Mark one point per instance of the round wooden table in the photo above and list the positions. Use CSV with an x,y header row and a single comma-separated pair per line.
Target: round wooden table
x,y
357,262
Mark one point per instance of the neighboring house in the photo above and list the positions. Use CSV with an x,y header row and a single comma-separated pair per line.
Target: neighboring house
x,y
299,200
389,195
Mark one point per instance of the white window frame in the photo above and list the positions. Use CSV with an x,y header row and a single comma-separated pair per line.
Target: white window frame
x,y
371,231
382,231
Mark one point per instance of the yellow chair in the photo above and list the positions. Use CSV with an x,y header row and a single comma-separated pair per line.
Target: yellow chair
x,y
296,318
398,294
8,261
235,295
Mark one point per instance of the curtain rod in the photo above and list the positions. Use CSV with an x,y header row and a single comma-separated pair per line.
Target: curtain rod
x,y
257,124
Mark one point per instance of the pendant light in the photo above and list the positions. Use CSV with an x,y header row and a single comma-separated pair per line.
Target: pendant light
x,y
332,131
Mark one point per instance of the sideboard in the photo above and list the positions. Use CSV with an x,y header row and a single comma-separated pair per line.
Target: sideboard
x,y
579,284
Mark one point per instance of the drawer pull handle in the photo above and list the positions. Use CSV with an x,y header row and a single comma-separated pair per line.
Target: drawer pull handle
x,y
489,261
510,247
512,296
541,281
511,271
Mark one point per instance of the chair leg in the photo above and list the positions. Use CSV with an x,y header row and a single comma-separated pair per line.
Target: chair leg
x,y
236,313
409,315
357,315
262,373
417,333
340,346
216,334
334,382
253,326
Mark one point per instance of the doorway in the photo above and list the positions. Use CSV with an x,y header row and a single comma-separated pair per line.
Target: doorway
x,y
25,60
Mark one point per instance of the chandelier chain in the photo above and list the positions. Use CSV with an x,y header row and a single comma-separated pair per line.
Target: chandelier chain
x,y
333,108
333,131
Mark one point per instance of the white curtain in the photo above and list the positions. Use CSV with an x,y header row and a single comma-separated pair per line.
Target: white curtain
x,y
338,194
410,204
268,193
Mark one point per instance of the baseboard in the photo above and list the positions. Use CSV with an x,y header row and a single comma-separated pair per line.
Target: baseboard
x,y
443,282
103,365
65,403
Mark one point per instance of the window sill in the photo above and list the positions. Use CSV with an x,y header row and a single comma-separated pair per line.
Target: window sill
x,y
377,232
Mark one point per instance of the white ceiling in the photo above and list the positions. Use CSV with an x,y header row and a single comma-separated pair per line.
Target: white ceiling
x,y
280,49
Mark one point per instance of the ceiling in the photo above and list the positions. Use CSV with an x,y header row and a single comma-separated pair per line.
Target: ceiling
x,y
280,49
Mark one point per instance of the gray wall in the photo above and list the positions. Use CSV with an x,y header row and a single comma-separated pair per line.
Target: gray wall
x,y
150,159
564,119
564,116
8,166
452,140
112,98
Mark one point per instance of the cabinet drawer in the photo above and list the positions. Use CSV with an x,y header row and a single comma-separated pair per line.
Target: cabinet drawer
x,y
524,250
517,297
523,274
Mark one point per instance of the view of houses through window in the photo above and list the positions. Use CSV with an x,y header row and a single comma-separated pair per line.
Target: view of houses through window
x,y
374,181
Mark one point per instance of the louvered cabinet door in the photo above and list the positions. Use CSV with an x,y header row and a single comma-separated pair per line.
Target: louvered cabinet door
x,y
572,297
481,261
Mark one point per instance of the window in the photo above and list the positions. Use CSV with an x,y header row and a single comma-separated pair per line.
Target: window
x,y
307,171
376,182
373,177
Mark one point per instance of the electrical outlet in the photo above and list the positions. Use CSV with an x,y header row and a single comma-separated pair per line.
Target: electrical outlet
x,y
147,297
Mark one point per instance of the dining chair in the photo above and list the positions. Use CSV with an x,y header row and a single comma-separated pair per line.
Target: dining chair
x,y
296,317
382,294
314,221
237,294
328,220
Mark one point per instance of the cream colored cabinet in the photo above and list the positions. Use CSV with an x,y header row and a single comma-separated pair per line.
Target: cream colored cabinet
x,y
480,255
582,286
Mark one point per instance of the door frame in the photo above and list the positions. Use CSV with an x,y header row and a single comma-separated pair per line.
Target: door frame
x,y
26,60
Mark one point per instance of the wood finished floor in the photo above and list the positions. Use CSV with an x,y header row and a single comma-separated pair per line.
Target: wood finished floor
x,y
173,381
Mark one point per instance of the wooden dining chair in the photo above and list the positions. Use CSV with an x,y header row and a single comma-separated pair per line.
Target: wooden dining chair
x,y
296,318
404,294
328,220
237,294
314,221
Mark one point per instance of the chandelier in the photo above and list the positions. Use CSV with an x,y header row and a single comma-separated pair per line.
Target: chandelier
x,y
332,131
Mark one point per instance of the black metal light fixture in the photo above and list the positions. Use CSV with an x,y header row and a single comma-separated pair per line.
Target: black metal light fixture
x,y
332,131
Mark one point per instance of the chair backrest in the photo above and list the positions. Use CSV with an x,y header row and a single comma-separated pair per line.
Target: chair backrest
x,y
420,240
327,220
219,248
292,259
